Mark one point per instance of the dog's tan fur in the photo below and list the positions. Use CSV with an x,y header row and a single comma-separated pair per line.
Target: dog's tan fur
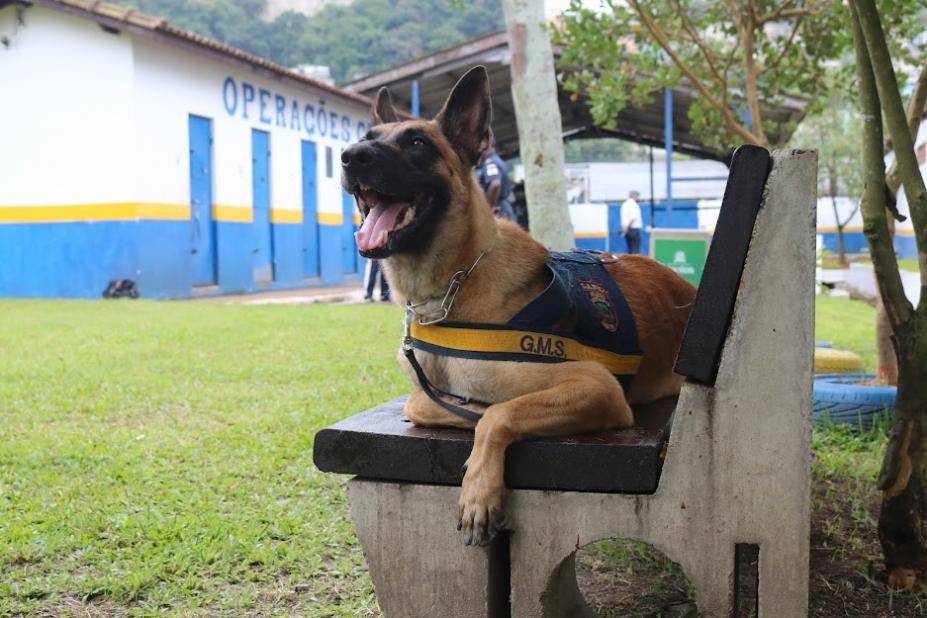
x,y
532,400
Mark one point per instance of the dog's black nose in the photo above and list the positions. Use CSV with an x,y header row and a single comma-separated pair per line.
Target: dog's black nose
x,y
358,155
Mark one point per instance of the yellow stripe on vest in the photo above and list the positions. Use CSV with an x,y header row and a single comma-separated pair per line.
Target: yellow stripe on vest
x,y
523,343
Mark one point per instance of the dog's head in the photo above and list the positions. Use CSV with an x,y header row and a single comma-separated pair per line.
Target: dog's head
x,y
407,176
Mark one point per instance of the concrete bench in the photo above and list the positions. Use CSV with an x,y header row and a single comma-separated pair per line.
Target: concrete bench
x,y
723,472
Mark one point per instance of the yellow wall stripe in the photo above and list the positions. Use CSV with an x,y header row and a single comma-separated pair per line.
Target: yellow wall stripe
x,y
121,211
830,229
857,229
590,235
169,212
279,215
330,218
232,214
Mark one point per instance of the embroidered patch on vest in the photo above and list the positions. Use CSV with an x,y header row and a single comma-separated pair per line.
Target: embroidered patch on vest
x,y
600,299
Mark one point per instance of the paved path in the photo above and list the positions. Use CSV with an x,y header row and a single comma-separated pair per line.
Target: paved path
x,y
301,296
860,279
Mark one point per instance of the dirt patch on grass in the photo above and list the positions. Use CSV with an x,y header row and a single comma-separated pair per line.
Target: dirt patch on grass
x,y
639,582
847,579
847,575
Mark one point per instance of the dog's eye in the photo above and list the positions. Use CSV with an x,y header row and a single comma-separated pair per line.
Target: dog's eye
x,y
417,142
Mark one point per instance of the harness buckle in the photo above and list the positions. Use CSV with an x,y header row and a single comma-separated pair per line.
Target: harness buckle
x,y
407,328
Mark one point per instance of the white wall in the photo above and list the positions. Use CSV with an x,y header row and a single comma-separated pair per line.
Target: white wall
x,y
173,83
66,112
612,182
589,219
103,118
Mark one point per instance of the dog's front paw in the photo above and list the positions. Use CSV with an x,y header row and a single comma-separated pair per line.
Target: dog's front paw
x,y
481,515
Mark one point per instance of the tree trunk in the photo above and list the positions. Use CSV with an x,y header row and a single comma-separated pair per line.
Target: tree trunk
x,y
841,247
841,250
886,358
904,469
537,112
902,477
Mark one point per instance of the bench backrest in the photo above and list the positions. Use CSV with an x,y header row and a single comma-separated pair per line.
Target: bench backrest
x,y
700,352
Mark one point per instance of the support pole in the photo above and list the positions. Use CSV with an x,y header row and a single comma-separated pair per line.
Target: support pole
x,y
415,99
668,145
653,207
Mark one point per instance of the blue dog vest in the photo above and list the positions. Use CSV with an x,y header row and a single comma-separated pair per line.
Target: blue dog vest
x,y
581,293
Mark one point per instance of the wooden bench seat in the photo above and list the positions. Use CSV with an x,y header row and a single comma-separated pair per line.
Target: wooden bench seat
x,y
382,444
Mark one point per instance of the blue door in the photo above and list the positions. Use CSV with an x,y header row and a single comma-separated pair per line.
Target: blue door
x,y
310,212
348,246
203,228
260,174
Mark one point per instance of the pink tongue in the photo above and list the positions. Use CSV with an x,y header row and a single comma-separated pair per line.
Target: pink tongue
x,y
380,220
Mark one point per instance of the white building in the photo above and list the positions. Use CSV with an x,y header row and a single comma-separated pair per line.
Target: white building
x,y
135,150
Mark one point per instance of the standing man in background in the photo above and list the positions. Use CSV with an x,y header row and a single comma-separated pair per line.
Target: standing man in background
x,y
494,179
631,222
374,270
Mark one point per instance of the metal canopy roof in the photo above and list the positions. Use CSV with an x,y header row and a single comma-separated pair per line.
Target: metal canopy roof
x,y
438,72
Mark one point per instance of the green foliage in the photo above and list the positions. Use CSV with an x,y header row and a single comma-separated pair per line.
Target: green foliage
x,y
370,35
614,57
836,133
235,22
355,39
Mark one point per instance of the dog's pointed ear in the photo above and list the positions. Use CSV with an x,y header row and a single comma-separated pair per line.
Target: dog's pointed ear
x,y
466,117
383,110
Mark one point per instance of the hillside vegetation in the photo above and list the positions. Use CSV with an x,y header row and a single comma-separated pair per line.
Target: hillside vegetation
x,y
355,39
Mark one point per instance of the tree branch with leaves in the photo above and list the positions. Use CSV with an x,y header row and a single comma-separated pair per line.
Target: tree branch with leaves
x,y
741,59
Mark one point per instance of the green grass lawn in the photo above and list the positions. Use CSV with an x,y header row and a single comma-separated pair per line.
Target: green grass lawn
x,y
848,325
906,264
156,458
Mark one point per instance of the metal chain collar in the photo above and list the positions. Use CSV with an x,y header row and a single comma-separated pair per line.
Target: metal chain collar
x,y
457,280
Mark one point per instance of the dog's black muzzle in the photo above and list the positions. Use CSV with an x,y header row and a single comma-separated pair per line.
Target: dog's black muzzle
x,y
358,157
371,163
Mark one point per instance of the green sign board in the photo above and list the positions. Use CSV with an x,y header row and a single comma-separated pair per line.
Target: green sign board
x,y
686,257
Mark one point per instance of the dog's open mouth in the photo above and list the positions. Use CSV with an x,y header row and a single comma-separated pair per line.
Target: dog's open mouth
x,y
384,215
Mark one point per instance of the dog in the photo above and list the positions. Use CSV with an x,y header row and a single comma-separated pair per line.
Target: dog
x,y
451,262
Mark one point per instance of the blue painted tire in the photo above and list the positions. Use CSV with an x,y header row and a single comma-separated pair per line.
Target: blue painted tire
x,y
838,399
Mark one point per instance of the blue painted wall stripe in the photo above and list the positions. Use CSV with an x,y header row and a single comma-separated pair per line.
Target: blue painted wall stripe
x,y
348,246
202,226
235,250
332,261
310,225
260,179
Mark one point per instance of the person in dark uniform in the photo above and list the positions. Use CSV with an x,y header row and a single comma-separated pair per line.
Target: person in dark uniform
x,y
372,273
494,179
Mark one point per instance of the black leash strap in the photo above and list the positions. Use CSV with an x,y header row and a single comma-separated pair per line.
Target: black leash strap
x,y
428,390
409,351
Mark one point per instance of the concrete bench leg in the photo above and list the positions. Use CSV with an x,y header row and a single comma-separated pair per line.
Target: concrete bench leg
x,y
784,572
417,560
549,528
